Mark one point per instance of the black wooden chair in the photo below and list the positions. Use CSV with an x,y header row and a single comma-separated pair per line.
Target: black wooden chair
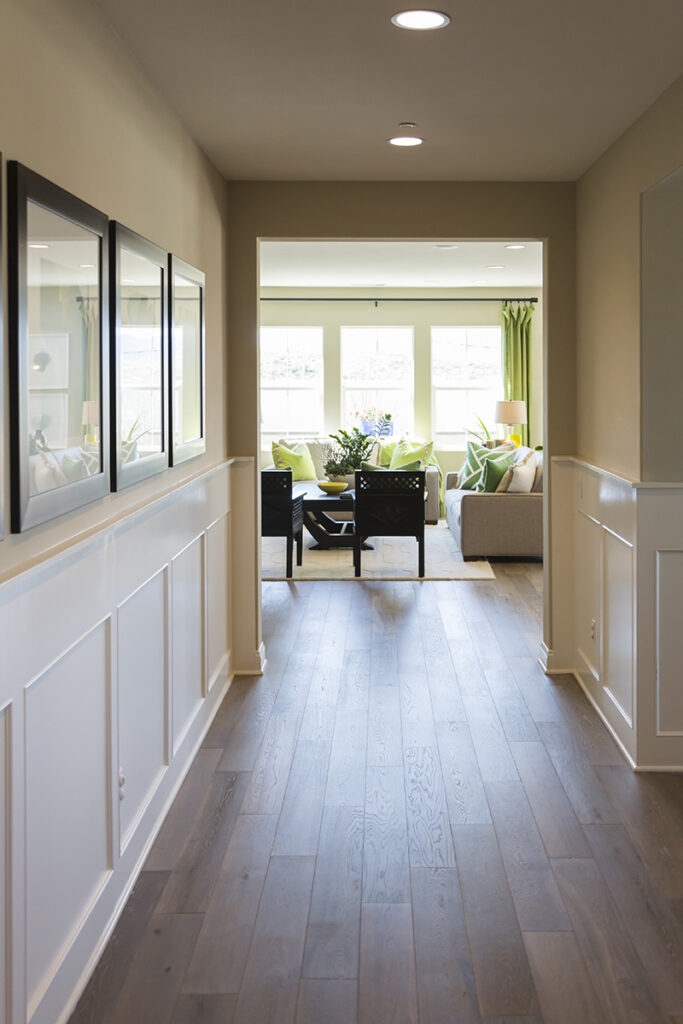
x,y
282,515
389,503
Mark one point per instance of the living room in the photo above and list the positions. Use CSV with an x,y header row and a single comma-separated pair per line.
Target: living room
x,y
351,330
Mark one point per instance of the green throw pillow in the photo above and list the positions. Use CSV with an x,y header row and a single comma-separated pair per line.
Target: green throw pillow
x,y
298,458
494,471
386,450
477,454
406,452
411,467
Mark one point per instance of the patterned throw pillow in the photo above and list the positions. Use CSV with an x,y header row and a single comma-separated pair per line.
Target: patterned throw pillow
x,y
299,458
477,455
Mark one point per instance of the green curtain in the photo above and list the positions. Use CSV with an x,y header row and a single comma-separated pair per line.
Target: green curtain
x,y
517,358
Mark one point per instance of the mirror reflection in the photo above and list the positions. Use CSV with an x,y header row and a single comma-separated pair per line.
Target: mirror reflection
x,y
63,312
140,341
187,355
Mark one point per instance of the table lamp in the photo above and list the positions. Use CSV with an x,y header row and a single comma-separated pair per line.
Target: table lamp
x,y
510,413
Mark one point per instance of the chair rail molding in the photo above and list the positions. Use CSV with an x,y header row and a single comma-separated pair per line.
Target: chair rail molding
x,y
618,590
118,651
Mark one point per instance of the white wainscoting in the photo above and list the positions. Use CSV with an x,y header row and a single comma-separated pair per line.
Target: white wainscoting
x,y
619,561
116,655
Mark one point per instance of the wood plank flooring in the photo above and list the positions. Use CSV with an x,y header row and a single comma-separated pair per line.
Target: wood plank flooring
x,y
405,822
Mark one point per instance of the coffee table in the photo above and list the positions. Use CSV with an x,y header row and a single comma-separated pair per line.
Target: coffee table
x,y
327,532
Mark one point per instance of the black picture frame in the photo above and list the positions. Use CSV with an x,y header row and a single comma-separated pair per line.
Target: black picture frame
x,y
125,473
190,449
28,510
2,380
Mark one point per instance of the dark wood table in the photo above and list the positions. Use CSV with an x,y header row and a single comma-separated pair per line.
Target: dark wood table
x,y
326,531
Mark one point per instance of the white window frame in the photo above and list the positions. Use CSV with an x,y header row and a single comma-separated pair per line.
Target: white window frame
x,y
378,386
316,430
467,385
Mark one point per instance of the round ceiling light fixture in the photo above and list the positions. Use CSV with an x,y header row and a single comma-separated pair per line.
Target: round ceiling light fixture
x,y
420,21
515,246
405,140
445,245
495,266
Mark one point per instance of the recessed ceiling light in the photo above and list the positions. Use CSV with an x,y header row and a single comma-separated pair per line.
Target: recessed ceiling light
x,y
87,266
516,246
405,140
420,21
445,245
38,245
496,266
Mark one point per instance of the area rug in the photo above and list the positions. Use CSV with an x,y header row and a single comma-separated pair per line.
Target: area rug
x,y
393,558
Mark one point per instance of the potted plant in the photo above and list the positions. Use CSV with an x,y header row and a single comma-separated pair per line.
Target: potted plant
x,y
350,450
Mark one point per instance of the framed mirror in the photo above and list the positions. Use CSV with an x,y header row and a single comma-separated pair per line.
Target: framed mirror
x,y
59,350
140,365
186,321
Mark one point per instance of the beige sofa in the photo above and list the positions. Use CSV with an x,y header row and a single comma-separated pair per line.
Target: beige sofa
x,y
497,525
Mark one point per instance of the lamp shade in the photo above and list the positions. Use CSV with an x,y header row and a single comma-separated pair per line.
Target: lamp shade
x,y
511,412
91,414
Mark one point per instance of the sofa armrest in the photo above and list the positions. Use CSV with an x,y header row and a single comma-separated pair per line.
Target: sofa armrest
x,y
501,525
432,490
452,479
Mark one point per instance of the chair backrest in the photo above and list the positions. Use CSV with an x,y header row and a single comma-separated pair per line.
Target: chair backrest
x,y
389,503
276,502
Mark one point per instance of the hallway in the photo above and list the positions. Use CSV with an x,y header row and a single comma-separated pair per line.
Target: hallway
x,y
405,821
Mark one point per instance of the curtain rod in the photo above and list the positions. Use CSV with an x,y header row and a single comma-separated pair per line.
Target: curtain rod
x,y
381,298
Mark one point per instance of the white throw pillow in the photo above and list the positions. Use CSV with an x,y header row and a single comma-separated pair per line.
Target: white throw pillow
x,y
523,473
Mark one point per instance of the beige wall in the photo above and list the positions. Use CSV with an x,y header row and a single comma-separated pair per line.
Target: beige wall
x,y
608,284
422,316
77,110
662,332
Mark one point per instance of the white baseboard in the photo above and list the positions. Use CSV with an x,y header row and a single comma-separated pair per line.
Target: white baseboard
x,y
548,662
605,722
258,664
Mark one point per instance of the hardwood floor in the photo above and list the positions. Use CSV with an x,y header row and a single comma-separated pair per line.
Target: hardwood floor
x,y
405,822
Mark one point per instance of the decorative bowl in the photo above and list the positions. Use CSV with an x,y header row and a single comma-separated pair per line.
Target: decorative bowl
x,y
332,486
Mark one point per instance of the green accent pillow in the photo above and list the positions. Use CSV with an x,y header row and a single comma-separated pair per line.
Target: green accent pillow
x,y
477,455
406,452
298,458
494,471
411,467
386,450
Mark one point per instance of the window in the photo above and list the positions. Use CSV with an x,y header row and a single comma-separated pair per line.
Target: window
x,y
467,381
377,373
292,381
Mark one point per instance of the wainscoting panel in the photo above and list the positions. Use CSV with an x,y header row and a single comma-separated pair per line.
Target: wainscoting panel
x,y
188,644
626,577
587,614
217,604
5,880
669,643
143,672
67,800
618,625
106,649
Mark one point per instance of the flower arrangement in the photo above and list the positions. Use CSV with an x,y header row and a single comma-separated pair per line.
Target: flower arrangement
x,y
376,423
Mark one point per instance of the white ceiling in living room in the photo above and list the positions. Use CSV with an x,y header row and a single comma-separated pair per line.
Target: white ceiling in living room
x,y
310,90
410,264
